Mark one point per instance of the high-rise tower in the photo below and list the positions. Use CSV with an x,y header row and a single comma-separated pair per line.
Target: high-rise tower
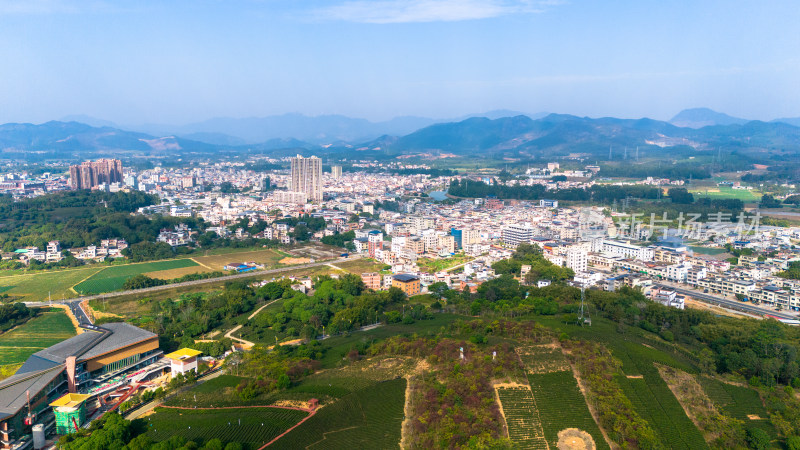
x,y
307,177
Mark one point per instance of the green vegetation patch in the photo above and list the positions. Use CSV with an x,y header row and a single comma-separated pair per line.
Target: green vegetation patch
x,y
112,278
738,402
725,192
522,418
368,418
252,427
41,332
562,405
654,401
542,358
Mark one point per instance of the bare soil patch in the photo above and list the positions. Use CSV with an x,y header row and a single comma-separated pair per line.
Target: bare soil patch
x,y
575,439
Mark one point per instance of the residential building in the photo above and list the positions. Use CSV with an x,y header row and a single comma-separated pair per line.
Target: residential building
x,y
372,280
306,177
408,283
514,235
90,174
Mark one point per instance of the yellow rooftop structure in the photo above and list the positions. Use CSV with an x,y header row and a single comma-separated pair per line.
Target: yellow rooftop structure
x,y
70,401
183,353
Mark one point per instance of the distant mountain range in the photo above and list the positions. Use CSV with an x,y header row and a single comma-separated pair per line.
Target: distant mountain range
x,y
498,134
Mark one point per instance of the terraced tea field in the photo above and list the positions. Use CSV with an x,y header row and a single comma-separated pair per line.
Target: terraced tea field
x,y
522,417
654,401
738,402
252,427
542,358
370,417
49,328
562,405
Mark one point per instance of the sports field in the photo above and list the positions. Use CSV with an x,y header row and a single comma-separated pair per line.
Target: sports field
x,y
49,328
724,192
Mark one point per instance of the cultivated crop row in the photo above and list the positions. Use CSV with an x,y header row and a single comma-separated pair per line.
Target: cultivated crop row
x,y
252,427
562,405
370,417
542,359
522,418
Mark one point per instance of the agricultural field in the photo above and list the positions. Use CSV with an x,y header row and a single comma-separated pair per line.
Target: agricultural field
x,y
39,286
268,257
723,192
738,402
370,417
49,328
562,405
359,266
542,358
112,278
437,265
252,427
522,417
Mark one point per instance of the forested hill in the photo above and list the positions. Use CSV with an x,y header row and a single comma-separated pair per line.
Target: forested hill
x,y
76,218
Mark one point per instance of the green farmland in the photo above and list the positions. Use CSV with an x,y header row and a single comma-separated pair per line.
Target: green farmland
x,y
561,405
49,328
367,418
724,192
252,427
522,418
112,278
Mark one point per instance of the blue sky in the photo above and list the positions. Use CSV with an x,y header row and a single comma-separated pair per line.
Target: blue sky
x,y
179,61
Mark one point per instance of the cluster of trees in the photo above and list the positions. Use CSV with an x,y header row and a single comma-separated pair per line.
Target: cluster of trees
x,y
76,218
112,431
179,323
541,268
142,281
338,305
597,193
434,173
344,240
13,314
681,171
792,273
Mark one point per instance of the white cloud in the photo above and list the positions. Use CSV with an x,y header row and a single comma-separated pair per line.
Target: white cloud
x,y
409,11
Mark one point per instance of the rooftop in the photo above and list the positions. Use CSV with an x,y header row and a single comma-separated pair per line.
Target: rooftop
x,y
184,353
70,400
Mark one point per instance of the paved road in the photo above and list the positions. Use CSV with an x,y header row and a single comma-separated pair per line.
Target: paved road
x,y
727,303
83,318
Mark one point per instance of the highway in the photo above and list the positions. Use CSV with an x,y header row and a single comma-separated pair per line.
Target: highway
x,y
727,303
80,314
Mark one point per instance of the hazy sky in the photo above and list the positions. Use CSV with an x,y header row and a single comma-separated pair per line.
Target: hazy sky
x,y
181,61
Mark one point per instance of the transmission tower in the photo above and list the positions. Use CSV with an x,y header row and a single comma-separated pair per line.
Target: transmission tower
x,y
584,318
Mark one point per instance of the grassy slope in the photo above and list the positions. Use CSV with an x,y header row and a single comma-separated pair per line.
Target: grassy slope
x,y
47,329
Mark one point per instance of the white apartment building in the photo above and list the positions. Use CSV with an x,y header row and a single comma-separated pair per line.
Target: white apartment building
x,y
516,234
577,259
626,250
